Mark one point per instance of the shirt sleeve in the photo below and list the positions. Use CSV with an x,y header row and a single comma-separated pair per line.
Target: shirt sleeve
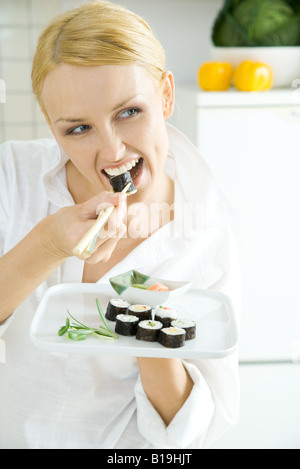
x,y
4,195
190,425
4,208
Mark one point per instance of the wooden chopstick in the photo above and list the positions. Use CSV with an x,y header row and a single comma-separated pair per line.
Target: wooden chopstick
x,y
87,240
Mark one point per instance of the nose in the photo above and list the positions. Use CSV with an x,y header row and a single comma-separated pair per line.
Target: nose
x,y
111,146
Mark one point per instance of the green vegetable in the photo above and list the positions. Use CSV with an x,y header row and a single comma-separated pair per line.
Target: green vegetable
x,y
254,23
140,285
79,331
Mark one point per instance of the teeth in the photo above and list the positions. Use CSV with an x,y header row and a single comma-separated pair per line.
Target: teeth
x,y
125,167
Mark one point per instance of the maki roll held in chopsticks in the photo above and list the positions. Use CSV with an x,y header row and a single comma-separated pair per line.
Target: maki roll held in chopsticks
x,y
165,315
172,337
115,307
126,324
188,325
143,312
148,330
120,181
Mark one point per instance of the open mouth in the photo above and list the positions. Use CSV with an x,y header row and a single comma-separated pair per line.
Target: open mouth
x,y
133,166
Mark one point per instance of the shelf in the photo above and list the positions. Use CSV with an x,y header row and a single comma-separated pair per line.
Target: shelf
x,y
234,98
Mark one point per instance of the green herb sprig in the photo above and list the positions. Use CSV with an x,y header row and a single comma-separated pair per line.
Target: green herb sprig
x,y
79,331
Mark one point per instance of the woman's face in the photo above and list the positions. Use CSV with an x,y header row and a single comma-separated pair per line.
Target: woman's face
x,y
110,118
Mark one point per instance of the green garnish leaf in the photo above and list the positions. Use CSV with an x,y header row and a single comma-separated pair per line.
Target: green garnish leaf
x,y
71,335
81,337
79,331
62,330
102,316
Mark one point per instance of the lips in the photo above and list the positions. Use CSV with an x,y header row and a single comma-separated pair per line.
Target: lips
x,y
134,166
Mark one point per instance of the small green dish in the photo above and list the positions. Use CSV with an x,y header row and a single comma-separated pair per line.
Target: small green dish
x,y
132,287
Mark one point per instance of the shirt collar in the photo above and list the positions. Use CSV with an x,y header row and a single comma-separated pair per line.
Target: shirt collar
x,y
55,181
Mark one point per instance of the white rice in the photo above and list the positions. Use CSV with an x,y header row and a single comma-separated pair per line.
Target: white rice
x,y
127,318
183,323
119,303
166,313
173,330
148,324
139,308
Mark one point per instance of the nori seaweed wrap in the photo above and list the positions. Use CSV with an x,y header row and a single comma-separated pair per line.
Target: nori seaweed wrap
x,y
188,325
148,330
126,324
119,182
165,315
143,312
115,307
172,337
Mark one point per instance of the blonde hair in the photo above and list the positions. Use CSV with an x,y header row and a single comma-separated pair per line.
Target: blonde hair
x,y
97,33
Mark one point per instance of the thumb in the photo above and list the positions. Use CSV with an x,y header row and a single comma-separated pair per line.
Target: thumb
x,y
92,207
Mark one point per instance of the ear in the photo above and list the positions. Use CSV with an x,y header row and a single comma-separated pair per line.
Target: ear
x,y
168,94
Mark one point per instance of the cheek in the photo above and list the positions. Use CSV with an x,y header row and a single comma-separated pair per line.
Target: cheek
x,y
152,137
161,144
80,152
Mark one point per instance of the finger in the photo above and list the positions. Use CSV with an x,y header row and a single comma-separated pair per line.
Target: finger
x,y
92,207
114,235
105,249
115,221
88,213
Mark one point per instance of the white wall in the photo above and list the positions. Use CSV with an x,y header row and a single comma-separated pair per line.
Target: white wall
x,y
183,27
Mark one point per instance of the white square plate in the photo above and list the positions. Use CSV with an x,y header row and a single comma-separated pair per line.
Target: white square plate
x,y
216,334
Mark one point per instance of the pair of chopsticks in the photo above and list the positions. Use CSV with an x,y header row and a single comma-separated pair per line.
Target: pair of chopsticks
x,y
87,244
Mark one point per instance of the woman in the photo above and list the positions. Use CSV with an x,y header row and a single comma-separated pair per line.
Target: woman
x,y
99,76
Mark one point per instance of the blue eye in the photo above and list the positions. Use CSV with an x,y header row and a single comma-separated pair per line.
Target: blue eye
x,y
79,130
129,113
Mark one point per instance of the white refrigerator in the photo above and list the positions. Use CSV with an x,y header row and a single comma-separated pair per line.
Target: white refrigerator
x,y
252,143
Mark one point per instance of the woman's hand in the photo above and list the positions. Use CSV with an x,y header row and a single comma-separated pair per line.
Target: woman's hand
x,y
63,230
50,242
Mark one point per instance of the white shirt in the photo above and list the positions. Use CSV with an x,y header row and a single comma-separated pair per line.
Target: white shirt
x,y
50,401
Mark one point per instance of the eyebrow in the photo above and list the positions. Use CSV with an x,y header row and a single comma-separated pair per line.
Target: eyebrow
x,y
66,119
80,119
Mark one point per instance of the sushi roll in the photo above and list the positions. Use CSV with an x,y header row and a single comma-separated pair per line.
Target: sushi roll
x,y
126,324
188,325
172,337
119,182
148,330
115,307
143,312
165,315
